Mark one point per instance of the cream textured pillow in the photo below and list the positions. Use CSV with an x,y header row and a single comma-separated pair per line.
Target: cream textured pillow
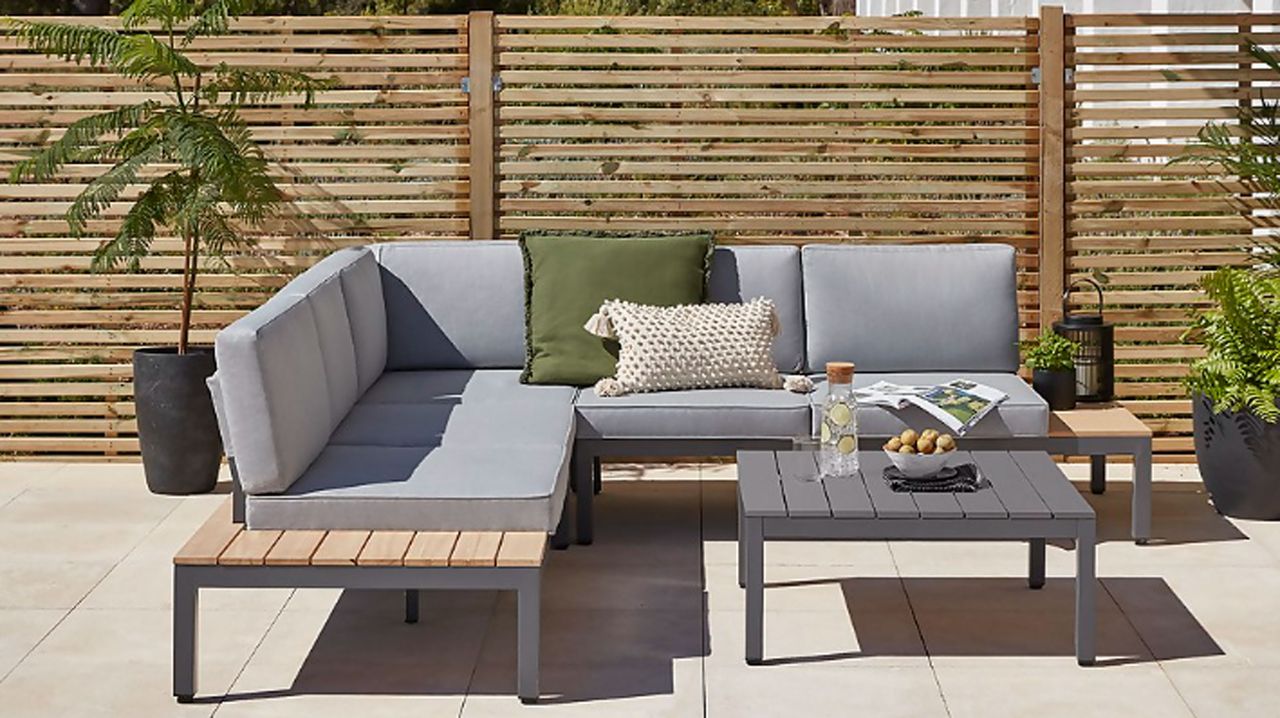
x,y
691,346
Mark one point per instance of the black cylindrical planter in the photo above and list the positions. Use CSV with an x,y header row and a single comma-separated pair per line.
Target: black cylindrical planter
x,y
177,429
1056,387
1239,457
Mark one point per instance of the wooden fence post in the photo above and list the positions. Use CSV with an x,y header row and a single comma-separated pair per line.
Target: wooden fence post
x,y
481,123
1053,266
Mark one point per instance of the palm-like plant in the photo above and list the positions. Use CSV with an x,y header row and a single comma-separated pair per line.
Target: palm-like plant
x,y
205,178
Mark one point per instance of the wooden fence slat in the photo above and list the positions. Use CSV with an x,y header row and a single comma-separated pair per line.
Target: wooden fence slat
x,y
1052,163
480,51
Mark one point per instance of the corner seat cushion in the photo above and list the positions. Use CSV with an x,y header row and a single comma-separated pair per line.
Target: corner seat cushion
x,y
694,414
460,386
480,424
1024,413
447,488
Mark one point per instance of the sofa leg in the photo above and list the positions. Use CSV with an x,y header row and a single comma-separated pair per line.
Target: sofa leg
x,y
583,479
528,630
560,540
186,617
411,605
597,481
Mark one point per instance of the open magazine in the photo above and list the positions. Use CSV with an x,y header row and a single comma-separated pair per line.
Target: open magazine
x,y
959,404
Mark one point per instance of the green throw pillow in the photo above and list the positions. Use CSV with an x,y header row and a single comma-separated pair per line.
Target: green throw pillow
x,y
567,278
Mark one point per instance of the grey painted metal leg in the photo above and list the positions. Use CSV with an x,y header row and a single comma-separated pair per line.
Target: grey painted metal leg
x,y
186,616
1086,600
742,549
411,605
1142,492
1035,575
597,475
560,539
583,482
528,633
755,591
1098,474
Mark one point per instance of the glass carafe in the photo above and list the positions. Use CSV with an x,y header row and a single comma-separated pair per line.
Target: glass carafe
x,y
838,433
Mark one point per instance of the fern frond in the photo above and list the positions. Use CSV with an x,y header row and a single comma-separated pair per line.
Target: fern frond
x,y
240,86
70,42
133,240
167,13
107,187
214,19
147,56
80,137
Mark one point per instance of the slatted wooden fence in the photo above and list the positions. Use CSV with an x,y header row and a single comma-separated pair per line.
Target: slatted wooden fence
x,y
1144,86
1039,132
383,153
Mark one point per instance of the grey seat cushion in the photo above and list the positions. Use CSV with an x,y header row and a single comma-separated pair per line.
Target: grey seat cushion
x,y
1024,413
950,307
461,386
424,450
527,422
450,488
695,414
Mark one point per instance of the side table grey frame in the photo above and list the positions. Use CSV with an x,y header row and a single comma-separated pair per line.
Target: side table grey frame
x,y
780,498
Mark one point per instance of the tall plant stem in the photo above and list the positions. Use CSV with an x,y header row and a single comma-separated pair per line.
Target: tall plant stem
x,y
190,245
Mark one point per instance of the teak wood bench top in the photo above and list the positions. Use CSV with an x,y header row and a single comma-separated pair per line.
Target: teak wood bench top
x,y
225,554
221,542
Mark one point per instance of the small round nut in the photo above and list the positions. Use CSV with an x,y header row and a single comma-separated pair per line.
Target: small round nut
x,y
907,449
946,443
925,445
929,434
909,437
894,444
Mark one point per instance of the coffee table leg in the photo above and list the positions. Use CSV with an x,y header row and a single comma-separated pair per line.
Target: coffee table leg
x,y
1035,575
754,542
1142,492
1086,534
1098,474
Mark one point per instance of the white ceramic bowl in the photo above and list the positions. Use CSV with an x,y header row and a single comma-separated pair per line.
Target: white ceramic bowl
x,y
918,466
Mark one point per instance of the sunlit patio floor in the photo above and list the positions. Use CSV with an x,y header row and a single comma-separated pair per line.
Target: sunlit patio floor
x,y
649,620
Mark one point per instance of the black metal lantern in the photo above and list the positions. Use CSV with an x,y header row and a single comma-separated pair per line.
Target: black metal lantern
x,y
1096,357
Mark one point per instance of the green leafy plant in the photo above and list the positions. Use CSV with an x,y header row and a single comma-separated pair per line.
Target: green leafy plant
x,y
1241,368
204,178
1050,352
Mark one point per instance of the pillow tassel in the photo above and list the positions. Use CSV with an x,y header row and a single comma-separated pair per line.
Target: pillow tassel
x,y
600,325
609,386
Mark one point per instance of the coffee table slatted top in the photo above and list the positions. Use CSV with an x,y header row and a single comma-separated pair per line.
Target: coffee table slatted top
x,y
1024,485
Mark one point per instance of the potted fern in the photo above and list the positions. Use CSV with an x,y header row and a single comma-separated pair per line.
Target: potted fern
x,y
1051,359
1235,386
204,181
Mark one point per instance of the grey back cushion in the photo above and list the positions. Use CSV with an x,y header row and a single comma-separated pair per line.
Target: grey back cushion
x,y
453,304
743,273
289,371
911,307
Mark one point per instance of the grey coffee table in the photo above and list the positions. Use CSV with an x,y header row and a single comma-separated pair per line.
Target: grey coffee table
x,y
780,499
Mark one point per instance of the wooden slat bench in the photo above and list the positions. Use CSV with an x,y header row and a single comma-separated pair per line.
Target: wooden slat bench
x,y
224,554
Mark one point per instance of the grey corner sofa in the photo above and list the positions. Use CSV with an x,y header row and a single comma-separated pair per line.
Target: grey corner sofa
x,y
380,388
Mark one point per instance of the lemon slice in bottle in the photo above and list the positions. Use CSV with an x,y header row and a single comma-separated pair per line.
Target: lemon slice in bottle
x,y
846,445
840,414
825,433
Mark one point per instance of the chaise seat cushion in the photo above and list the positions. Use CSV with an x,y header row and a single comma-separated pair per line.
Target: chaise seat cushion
x,y
694,414
1024,413
446,488
436,450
